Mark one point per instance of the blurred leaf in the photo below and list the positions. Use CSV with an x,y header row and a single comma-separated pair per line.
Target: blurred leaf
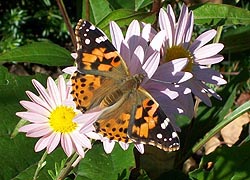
x,y
45,53
99,165
122,17
225,163
220,14
236,40
100,9
142,3
173,174
121,4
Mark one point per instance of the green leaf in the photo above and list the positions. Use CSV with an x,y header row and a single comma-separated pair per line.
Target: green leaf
x,y
45,53
121,4
99,165
228,163
221,14
100,9
142,3
236,40
122,17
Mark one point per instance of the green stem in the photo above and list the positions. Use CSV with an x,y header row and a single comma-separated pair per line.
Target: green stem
x,y
218,34
66,170
40,165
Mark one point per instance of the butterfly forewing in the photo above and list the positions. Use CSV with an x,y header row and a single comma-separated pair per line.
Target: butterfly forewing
x,y
96,54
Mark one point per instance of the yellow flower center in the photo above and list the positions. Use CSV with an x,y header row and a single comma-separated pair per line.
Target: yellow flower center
x,y
176,52
61,119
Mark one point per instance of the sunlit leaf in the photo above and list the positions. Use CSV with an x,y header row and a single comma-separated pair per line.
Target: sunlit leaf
x,y
45,53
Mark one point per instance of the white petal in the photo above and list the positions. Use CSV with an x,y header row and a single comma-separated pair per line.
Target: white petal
x,y
146,31
66,144
181,26
38,100
93,135
69,70
133,35
116,35
208,50
31,127
158,41
140,148
53,91
133,30
43,93
201,40
33,117
108,146
167,23
53,142
151,64
42,143
123,145
79,149
62,88
210,60
189,30
74,55
81,139
39,131
36,108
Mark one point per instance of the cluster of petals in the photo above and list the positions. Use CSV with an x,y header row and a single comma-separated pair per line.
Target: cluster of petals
x,y
198,53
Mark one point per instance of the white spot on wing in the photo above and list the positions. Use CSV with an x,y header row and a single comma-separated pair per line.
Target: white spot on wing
x,y
100,39
159,136
174,135
92,27
165,123
87,41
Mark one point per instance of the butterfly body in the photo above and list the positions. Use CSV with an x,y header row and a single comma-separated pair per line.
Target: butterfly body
x,y
103,80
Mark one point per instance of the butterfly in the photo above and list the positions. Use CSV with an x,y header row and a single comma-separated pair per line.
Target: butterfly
x,y
103,80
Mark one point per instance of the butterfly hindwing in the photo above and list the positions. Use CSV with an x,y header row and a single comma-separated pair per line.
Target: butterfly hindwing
x,y
150,125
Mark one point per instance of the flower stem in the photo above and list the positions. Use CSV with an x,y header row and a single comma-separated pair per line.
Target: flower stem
x,y
40,165
66,170
218,34
67,21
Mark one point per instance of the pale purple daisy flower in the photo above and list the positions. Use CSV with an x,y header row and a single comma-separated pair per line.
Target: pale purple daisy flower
x,y
51,116
178,45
